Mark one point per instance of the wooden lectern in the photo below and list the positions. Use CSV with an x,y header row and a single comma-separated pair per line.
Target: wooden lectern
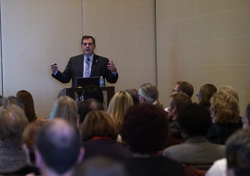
x,y
108,93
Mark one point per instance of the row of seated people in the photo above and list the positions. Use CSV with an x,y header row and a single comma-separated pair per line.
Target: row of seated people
x,y
193,130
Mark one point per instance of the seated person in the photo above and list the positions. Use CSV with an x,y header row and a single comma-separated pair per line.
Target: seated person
x,y
196,150
225,115
144,130
99,134
205,94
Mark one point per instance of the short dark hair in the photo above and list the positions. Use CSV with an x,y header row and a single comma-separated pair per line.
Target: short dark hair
x,y
195,120
185,87
145,128
58,150
91,91
180,101
84,107
238,152
87,37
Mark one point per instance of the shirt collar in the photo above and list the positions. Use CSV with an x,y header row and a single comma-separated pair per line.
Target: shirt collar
x,y
90,57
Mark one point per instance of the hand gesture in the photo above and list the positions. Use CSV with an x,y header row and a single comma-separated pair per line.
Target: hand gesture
x,y
54,67
111,66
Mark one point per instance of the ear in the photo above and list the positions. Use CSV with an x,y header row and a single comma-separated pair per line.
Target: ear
x,y
80,156
245,123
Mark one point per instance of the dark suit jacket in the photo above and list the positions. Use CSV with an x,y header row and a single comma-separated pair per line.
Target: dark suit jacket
x,y
75,69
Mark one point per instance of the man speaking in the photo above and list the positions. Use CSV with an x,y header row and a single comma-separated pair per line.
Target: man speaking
x,y
87,64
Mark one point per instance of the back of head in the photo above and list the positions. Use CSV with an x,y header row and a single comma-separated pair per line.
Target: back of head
x,y
11,100
229,90
248,112
28,103
118,106
145,128
238,153
98,124
28,137
195,120
91,91
224,108
186,87
134,95
86,106
100,166
180,101
150,93
205,94
12,123
58,143
66,108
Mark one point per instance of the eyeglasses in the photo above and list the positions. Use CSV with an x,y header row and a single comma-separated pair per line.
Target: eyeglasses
x,y
175,90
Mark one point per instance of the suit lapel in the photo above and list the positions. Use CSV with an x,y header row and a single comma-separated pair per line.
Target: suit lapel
x,y
94,64
81,63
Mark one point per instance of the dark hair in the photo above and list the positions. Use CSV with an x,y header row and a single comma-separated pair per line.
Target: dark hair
x,y
180,101
84,107
134,95
28,104
145,128
87,37
238,152
195,120
185,87
58,150
91,91
205,94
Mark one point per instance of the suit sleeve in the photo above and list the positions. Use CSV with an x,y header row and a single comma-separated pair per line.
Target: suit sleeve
x,y
66,75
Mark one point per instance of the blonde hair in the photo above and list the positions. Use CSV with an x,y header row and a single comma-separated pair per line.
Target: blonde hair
x,y
150,93
230,90
12,123
98,123
118,106
225,107
66,108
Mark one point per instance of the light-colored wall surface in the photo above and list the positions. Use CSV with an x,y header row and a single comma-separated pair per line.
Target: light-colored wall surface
x,y
201,42
35,34
124,32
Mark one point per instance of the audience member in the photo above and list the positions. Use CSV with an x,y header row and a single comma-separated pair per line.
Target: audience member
x,y
148,93
205,94
66,108
99,134
225,115
58,148
86,106
197,151
28,139
185,87
91,91
176,104
219,167
100,166
118,106
145,131
12,157
28,104
238,153
134,95
11,100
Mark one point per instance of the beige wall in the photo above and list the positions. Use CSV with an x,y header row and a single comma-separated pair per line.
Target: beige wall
x,y
124,31
203,42
37,33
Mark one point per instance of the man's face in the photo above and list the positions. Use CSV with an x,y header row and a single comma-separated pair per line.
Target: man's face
x,y
176,90
88,47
